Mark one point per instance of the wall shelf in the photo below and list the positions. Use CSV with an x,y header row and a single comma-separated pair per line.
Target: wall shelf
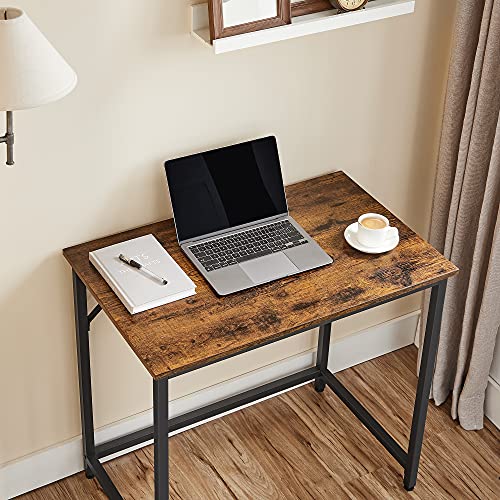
x,y
301,26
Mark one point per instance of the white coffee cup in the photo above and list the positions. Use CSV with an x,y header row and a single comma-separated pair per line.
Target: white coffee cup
x,y
374,230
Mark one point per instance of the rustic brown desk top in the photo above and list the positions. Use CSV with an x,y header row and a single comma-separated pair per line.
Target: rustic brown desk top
x,y
204,328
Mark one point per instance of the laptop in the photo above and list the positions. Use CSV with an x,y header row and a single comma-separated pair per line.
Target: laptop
x,y
232,219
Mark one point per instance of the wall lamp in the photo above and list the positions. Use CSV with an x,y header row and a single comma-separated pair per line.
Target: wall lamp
x,y
32,72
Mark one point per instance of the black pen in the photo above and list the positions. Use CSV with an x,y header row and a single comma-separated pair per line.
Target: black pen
x,y
138,265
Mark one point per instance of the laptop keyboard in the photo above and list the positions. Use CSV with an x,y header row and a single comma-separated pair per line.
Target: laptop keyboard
x,y
246,245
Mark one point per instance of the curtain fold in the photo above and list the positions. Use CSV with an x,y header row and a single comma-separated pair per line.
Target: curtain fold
x,y
465,223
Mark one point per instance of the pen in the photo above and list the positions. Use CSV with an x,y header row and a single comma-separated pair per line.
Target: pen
x,y
138,265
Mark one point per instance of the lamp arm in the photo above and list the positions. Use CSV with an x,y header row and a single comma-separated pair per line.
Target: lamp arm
x,y
8,138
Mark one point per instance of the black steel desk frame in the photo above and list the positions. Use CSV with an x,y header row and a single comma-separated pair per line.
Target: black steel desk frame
x,y
322,377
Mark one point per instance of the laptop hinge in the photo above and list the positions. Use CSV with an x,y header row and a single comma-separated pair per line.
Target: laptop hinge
x,y
233,229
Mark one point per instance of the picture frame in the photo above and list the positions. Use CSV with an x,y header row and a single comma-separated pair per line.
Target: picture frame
x,y
218,29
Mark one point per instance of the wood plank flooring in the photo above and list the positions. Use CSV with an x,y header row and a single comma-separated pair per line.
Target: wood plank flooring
x,y
308,446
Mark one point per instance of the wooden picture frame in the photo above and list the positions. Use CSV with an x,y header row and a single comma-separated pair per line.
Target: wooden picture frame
x,y
303,7
216,20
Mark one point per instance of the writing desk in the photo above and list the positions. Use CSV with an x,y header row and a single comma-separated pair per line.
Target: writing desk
x,y
194,332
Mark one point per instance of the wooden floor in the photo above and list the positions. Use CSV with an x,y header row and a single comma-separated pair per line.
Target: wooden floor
x,y
304,445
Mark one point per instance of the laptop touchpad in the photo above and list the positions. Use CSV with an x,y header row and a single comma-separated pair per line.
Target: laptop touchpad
x,y
269,267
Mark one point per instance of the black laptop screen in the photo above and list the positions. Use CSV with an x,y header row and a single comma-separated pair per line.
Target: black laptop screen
x,y
226,187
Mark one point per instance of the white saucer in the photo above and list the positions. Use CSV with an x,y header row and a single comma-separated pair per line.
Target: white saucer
x,y
351,236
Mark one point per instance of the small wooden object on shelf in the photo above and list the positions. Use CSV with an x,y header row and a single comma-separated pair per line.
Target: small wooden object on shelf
x,y
304,7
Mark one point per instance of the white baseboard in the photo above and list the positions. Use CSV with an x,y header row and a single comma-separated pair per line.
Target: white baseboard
x,y
64,459
492,402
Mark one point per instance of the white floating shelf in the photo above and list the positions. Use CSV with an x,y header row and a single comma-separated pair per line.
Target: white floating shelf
x,y
301,26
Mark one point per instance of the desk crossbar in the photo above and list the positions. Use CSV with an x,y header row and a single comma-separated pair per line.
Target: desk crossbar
x,y
208,412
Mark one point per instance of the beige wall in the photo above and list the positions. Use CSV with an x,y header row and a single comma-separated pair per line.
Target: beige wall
x,y
365,99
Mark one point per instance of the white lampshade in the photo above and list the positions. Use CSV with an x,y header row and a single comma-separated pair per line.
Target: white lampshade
x,y
32,72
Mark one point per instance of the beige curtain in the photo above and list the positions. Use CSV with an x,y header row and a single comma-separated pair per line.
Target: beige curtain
x,y
465,218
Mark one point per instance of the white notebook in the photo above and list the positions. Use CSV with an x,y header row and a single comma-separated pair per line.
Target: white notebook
x,y
136,289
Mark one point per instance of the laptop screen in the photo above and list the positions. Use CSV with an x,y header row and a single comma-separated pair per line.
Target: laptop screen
x,y
226,187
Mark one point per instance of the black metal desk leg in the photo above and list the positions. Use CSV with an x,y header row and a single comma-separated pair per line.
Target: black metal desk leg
x,y
93,467
432,330
322,354
160,409
83,353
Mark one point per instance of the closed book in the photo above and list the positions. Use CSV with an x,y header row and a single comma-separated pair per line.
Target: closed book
x,y
138,290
